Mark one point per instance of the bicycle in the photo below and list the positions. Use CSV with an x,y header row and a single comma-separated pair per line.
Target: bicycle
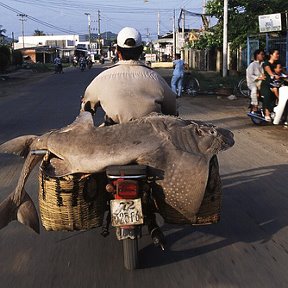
x,y
191,86
242,88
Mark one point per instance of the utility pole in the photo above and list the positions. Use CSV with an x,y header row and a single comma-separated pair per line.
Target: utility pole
x,y
13,41
99,33
174,36
22,20
158,25
183,25
225,42
89,29
183,33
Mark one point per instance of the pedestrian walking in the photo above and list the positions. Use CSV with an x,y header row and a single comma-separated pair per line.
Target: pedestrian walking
x,y
178,75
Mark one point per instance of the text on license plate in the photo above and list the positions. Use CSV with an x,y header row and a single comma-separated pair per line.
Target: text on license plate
x,y
126,212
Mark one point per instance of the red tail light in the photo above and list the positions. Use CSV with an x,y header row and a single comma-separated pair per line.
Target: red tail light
x,y
127,189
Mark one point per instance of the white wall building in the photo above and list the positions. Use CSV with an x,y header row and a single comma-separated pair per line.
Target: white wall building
x,y
61,41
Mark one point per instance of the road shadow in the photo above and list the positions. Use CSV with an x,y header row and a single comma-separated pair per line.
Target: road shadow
x,y
254,208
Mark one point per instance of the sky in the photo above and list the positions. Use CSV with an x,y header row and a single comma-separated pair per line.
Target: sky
x,y
60,17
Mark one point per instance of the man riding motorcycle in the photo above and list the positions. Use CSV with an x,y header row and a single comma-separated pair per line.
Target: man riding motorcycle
x,y
129,89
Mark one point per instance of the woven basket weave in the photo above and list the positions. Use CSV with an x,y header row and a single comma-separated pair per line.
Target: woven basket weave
x,y
66,202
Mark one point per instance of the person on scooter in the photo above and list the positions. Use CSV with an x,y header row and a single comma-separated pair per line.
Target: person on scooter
x,y
254,77
82,62
280,89
58,65
265,90
277,83
129,89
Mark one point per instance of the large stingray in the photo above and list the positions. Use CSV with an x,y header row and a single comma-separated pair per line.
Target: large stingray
x,y
177,151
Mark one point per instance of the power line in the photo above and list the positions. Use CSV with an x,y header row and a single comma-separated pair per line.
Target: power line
x,y
37,20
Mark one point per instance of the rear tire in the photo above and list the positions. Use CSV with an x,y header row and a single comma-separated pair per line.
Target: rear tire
x,y
243,88
130,253
258,121
192,86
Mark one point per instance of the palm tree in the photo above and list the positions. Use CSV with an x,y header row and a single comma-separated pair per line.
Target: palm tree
x,y
38,33
2,31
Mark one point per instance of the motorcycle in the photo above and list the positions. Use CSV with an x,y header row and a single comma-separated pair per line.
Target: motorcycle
x,y
130,208
58,69
122,193
279,112
82,66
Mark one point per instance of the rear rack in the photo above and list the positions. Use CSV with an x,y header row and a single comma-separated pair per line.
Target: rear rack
x,y
127,172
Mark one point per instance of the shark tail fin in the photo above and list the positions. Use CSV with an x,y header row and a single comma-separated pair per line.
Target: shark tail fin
x,y
27,214
19,146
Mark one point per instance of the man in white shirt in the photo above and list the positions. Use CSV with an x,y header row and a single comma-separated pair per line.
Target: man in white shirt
x,y
129,89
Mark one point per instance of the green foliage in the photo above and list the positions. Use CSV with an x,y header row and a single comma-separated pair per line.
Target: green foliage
x,y
2,31
17,57
242,20
38,33
5,57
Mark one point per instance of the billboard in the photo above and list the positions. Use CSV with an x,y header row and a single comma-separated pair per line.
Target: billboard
x,y
270,22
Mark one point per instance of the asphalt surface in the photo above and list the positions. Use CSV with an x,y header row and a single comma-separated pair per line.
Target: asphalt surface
x,y
248,248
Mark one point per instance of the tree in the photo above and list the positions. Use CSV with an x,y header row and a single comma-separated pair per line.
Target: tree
x,y
2,36
2,31
242,20
5,57
38,33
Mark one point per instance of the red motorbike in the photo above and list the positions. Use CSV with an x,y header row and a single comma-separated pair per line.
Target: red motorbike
x,y
130,209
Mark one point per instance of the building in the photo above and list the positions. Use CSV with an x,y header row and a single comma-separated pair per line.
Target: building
x,y
44,48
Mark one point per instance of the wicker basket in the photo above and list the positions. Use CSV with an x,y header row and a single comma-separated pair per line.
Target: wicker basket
x,y
209,211
72,202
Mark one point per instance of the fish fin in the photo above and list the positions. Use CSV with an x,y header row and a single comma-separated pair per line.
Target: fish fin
x,y
84,121
58,168
27,214
19,146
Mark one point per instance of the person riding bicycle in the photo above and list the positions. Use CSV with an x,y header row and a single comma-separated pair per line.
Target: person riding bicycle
x,y
254,76
129,89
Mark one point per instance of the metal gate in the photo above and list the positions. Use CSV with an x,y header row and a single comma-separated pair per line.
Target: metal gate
x,y
280,44
272,41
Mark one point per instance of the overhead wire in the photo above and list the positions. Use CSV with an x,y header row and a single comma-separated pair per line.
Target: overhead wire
x,y
37,20
73,7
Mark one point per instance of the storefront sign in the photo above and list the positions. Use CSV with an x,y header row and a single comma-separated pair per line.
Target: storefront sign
x,y
270,22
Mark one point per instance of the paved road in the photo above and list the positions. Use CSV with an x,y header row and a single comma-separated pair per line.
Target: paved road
x,y
248,248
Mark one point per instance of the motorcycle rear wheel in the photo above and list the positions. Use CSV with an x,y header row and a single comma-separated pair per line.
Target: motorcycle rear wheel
x,y
130,253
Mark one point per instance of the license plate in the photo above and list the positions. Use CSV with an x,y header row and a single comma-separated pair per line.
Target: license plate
x,y
126,212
